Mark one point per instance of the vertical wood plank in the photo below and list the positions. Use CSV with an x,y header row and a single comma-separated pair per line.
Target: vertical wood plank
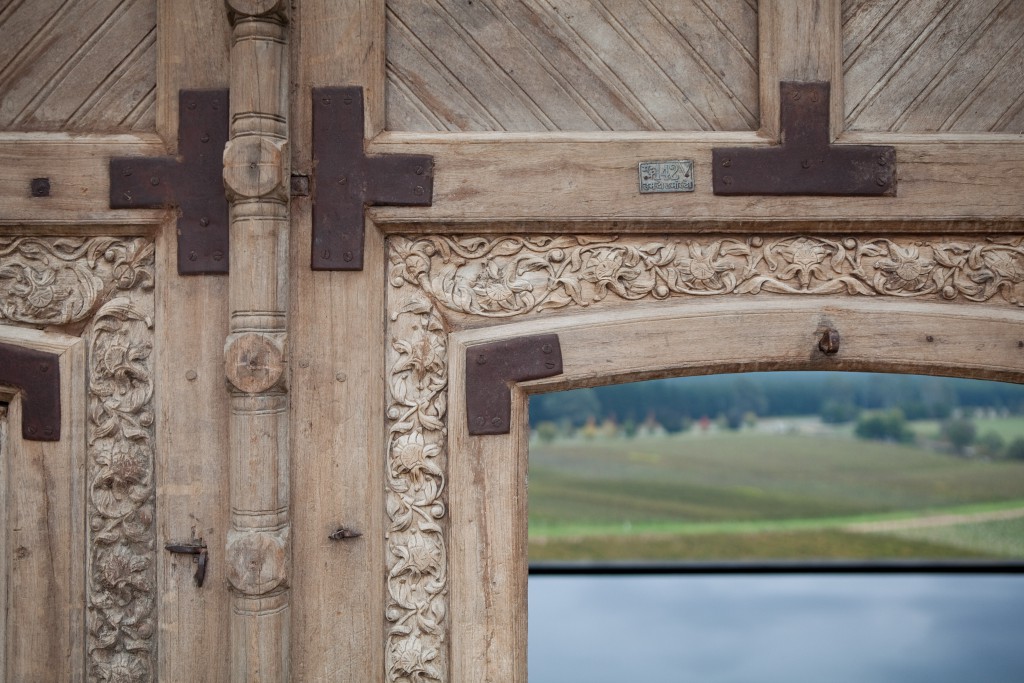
x,y
337,378
800,40
45,553
192,413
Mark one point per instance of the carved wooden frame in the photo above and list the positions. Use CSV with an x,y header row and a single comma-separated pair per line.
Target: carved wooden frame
x,y
98,292
930,304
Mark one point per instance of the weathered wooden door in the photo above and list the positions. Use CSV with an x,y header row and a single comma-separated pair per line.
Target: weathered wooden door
x,y
589,178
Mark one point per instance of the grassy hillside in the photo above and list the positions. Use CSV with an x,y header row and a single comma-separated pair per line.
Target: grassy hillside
x,y
757,494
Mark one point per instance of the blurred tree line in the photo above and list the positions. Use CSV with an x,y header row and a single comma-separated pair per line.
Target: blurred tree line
x,y
835,397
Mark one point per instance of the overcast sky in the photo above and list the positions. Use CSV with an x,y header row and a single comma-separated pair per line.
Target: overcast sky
x,y
777,629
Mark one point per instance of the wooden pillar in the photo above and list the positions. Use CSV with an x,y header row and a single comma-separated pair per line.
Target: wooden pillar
x,y
256,176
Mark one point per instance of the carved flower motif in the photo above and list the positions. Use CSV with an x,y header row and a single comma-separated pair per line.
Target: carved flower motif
x,y
702,266
35,287
411,660
122,668
419,555
412,452
499,288
1004,264
609,269
120,567
119,486
424,355
905,269
804,257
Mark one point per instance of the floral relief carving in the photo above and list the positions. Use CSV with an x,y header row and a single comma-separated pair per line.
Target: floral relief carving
x,y
417,580
121,572
508,276
58,281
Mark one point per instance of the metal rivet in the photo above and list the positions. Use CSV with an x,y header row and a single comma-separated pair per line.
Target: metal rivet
x,y
795,95
348,99
325,254
546,348
496,421
342,180
419,170
44,367
347,256
929,338
806,163
127,196
882,160
32,430
480,421
829,342
814,96
727,162
47,431
126,172
326,100
205,138
193,256
341,377
154,181
252,165
418,190
727,180
218,256
191,105
204,221
481,359
881,181
549,364
191,375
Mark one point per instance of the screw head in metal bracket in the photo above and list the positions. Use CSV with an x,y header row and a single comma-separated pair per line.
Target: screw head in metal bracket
x,y
829,342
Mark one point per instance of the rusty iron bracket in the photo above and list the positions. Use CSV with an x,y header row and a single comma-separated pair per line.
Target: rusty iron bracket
x,y
491,367
346,180
192,181
805,163
37,374
197,547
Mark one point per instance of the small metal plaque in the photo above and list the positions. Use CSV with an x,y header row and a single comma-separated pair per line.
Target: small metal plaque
x,y
666,176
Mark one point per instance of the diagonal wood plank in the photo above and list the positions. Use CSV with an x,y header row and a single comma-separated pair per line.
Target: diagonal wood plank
x,y
932,65
571,65
78,65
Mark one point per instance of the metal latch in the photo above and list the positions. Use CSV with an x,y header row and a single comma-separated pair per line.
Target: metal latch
x,y
197,547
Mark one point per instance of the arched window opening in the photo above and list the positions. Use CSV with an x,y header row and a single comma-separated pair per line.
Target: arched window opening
x,y
808,472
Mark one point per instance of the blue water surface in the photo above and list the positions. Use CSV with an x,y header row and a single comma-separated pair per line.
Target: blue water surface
x,y
777,629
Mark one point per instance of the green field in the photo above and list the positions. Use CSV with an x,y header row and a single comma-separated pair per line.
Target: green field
x,y
753,495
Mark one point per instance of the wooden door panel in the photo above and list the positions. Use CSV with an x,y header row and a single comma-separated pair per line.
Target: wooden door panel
x,y
496,65
928,66
78,66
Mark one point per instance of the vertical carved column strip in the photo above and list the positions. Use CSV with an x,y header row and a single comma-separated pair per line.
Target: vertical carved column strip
x,y
255,174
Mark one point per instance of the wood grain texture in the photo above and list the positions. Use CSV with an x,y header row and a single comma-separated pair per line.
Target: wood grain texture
x,y
929,65
192,410
88,66
571,65
44,500
337,344
593,180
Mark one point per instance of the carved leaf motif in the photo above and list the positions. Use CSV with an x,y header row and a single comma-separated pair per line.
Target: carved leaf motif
x,y
511,276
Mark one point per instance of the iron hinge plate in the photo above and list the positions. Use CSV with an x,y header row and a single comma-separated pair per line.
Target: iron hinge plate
x,y
491,367
806,163
346,180
37,374
192,181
